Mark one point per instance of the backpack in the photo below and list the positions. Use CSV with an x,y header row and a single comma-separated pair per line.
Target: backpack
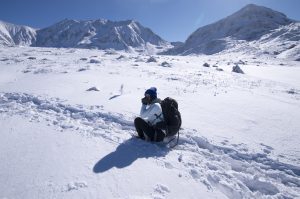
x,y
171,115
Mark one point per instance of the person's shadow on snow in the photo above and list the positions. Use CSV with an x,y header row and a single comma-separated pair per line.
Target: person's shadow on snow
x,y
127,152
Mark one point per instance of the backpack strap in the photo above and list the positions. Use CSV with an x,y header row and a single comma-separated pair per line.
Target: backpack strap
x,y
174,139
155,136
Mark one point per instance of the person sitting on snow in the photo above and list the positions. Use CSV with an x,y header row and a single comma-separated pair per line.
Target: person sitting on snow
x,y
150,116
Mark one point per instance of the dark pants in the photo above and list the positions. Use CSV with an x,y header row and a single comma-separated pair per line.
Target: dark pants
x,y
143,128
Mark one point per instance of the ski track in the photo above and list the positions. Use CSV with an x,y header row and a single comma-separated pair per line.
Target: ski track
x,y
232,170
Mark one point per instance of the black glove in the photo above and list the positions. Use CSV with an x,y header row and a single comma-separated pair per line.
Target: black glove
x,y
144,101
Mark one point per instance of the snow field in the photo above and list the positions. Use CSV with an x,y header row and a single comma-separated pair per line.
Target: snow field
x,y
239,138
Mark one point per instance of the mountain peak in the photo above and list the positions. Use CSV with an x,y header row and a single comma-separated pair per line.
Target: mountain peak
x,y
252,6
261,11
95,21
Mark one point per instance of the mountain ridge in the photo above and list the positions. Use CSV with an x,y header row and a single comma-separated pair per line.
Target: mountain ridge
x,y
98,33
252,29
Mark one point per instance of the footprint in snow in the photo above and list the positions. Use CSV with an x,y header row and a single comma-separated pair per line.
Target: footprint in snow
x,y
266,149
74,186
160,191
168,165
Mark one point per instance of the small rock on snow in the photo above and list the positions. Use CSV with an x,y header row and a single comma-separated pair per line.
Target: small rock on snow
x,y
165,64
93,89
151,59
237,69
95,61
206,65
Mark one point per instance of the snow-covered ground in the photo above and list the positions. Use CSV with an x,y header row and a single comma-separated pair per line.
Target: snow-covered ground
x,y
240,136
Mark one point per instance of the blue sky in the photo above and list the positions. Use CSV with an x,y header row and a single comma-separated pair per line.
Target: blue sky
x,y
173,20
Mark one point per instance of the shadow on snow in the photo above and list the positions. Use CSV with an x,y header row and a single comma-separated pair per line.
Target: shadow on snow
x,y
128,152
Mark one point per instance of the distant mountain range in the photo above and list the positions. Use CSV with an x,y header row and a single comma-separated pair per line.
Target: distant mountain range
x,y
100,34
253,29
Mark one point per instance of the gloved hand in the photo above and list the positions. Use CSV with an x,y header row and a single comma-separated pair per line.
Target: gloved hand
x,y
145,101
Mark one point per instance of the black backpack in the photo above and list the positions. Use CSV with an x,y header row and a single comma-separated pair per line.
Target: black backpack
x,y
171,115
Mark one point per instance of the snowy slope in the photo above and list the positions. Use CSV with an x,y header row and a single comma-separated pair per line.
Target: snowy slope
x,y
11,34
237,31
284,42
240,136
101,34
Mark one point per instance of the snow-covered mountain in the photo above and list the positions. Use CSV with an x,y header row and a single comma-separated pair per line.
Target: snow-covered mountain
x,y
102,34
11,34
253,29
252,24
